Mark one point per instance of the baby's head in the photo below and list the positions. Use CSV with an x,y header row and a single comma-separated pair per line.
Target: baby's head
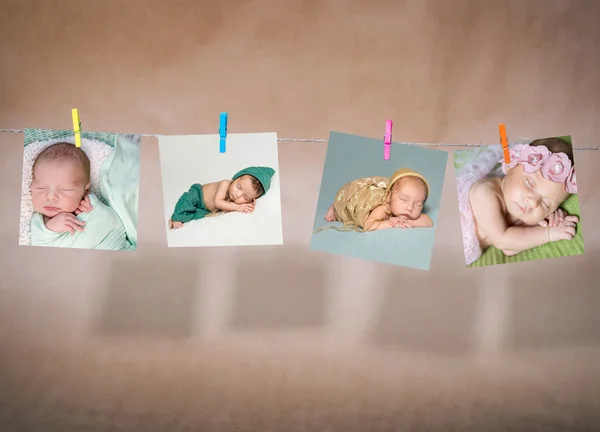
x,y
249,184
407,194
61,177
245,189
539,178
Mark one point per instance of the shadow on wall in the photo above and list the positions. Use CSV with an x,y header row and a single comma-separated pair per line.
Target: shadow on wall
x,y
548,310
15,284
152,296
44,290
428,312
278,288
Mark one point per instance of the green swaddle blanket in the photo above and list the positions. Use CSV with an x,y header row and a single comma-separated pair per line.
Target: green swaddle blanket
x,y
103,230
190,206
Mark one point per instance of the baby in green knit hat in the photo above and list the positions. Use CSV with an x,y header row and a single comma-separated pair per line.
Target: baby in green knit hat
x,y
238,194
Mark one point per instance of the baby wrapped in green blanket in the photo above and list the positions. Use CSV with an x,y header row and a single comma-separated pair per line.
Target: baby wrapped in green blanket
x,y
238,194
65,214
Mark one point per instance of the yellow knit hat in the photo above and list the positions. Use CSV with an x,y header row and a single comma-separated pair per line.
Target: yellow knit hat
x,y
405,172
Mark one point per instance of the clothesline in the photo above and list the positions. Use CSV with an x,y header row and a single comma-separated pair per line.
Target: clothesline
x,y
324,141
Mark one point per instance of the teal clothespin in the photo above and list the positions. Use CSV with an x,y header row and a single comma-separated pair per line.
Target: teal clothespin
x,y
222,132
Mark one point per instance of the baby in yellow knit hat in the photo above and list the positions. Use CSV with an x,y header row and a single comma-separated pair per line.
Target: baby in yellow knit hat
x,y
376,203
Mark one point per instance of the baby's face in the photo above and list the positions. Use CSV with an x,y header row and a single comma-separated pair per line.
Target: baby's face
x,y
57,187
241,190
407,198
530,197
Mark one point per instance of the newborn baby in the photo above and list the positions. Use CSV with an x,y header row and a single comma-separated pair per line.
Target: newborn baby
x,y
238,194
64,207
376,203
521,210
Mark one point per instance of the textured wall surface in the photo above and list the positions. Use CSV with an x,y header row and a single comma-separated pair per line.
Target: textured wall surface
x,y
293,339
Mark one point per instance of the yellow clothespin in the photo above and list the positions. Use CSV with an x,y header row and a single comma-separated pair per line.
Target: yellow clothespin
x,y
76,127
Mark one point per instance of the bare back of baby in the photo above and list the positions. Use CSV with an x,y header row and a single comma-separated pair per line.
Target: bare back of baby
x,y
483,190
209,192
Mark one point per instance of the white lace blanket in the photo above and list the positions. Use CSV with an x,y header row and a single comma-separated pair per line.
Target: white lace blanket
x,y
471,166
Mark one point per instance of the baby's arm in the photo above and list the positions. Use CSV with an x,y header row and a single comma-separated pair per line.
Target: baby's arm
x,y
378,219
423,221
220,196
490,219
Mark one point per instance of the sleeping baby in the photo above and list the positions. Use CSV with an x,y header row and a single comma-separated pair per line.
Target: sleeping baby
x,y
376,203
236,195
65,213
520,210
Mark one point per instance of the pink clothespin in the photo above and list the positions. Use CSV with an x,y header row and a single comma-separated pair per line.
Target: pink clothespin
x,y
387,140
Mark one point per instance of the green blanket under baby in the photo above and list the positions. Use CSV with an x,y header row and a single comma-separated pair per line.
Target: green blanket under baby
x,y
103,230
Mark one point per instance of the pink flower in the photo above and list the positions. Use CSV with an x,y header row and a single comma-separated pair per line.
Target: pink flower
x,y
515,154
571,184
557,168
532,158
516,150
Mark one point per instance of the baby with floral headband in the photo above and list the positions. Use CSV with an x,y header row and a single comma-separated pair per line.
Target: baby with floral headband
x,y
520,210
376,203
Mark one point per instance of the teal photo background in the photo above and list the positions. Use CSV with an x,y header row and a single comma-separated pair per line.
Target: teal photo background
x,y
350,157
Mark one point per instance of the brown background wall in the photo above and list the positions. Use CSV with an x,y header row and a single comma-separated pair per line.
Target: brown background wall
x,y
296,340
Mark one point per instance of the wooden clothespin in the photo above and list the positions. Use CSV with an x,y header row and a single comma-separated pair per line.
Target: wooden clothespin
x,y
387,140
222,132
504,142
76,127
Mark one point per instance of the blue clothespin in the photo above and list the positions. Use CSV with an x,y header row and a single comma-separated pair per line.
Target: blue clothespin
x,y
222,131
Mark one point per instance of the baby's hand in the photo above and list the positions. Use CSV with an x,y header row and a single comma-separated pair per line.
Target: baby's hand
x,y
555,218
65,222
399,222
565,230
246,208
84,206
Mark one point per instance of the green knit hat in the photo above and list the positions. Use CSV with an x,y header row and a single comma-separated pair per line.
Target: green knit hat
x,y
263,174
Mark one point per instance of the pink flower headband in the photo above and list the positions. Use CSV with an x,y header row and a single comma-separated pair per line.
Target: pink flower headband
x,y
555,167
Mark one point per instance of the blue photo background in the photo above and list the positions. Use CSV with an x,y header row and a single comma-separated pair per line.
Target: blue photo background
x,y
350,157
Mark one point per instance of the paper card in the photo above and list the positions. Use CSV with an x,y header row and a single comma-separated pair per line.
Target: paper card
x,y
221,199
525,200
354,190
82,198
